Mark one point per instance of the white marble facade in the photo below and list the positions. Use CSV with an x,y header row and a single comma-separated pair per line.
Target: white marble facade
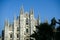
x,y
22,27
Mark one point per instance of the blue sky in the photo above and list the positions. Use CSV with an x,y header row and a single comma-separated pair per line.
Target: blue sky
x,y
47,9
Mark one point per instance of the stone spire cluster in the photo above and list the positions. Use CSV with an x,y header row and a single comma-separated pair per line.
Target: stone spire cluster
x,y
21,28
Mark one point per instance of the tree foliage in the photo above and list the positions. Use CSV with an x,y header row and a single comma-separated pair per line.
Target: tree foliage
x,y
44,32
47,31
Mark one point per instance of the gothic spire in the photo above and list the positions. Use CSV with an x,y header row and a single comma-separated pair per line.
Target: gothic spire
x,y
14,17
21,10
31,11
6,22
38,20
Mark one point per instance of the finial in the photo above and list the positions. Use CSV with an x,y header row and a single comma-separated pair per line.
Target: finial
x,y
14,17
6,22
21,10
31,11
38,18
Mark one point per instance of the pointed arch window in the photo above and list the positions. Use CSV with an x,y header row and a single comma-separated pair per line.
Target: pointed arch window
x,y
10,35
27,39
26,30
27,21
17,35
17,28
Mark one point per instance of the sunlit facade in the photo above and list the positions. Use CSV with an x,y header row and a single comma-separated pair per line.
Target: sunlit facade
x,y
22,26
